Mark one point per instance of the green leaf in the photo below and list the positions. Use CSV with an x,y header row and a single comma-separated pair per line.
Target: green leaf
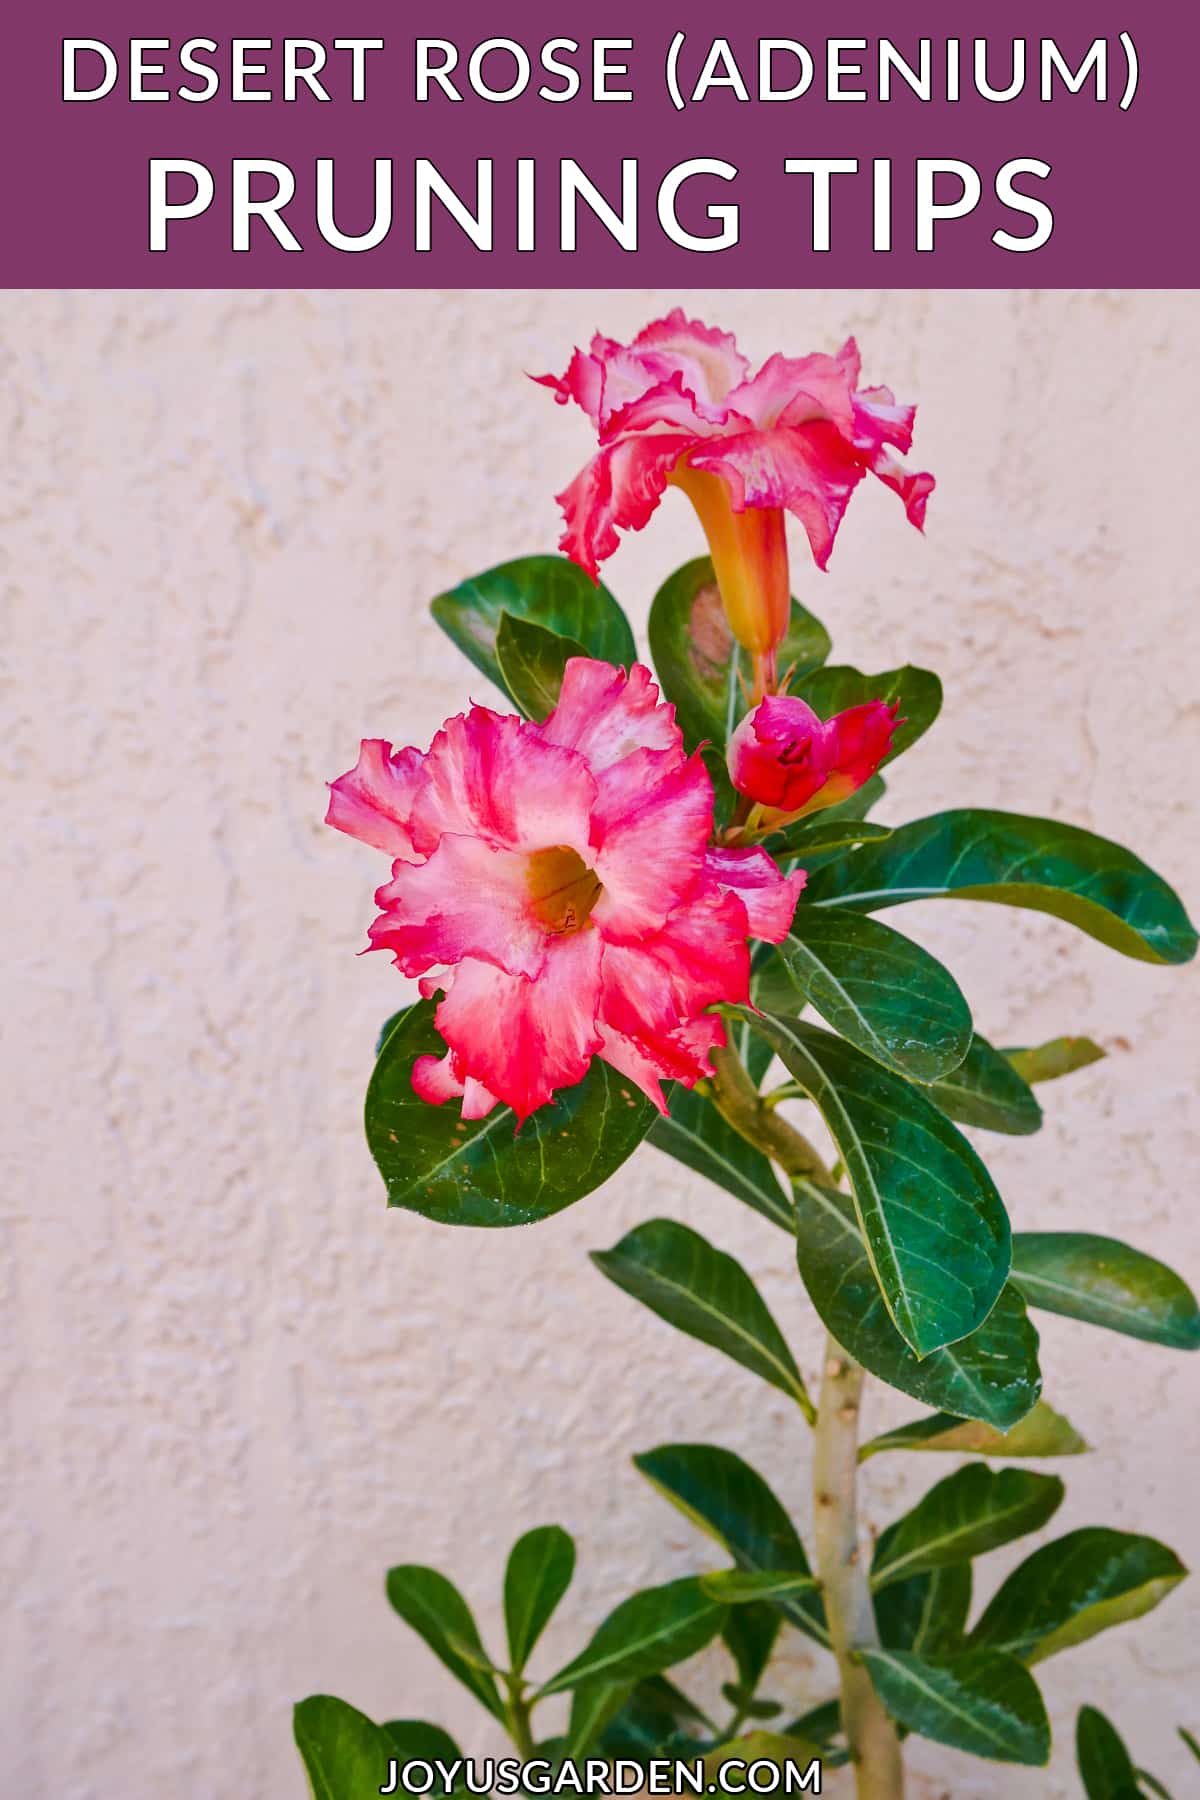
x,y
974,1510
680,1276
698,660
783,1749
749,1634
1060,1056
919,692
655,1714
696,1135
532,661
823,833
979,1701
1104,1282
540,1567
437,1612
593,1707
1042,1432
1150,1784
547,590
736,1587
1073,1588
926,1613
345,1754
483,1172
1190,1741
1104,1766
415,1740
986,1091
643,1636
726,1498
934,1226
1016,861
880,990
992,1375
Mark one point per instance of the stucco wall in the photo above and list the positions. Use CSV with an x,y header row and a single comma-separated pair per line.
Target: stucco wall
x,y
239,1388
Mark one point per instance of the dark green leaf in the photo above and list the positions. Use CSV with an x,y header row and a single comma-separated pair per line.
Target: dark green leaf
x,y
932,1222
749,1634
880,990
821,1724
1042,1432
345,1754
1104,1282
1060,1056
548,590
724,1497
643,1636
655,1715
1016,861
1190,1741
986,1091
737,1587
540,1567
483,1172
437,1611
926,1613
919,692
979,1701
532,661
415,1740
822,833
974,1510
680,1276
992,1375
1104,1766
593,1707
696,1135
698,660
1150,1784
385,1029
1073,1588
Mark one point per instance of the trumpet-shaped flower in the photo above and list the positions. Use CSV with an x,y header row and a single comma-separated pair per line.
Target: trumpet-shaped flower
x,y
786,758
679,405
555,882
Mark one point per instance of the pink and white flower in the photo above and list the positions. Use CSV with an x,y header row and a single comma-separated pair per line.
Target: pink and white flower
x,y
678,405
556,883
787,759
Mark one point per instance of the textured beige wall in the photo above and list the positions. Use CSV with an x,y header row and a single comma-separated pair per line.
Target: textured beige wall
x,y
240,1388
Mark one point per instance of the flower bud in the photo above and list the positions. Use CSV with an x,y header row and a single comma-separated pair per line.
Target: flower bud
x,y
787,759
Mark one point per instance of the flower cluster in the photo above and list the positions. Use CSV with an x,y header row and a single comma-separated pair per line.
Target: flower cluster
x,y
557,884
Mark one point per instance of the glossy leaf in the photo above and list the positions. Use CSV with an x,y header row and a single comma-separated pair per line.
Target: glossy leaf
x,y
934,1226
415,1740
593,1707
749,1634
1042,1432
972,1511
980,1701
1104,1766
992,1375
696,1135
699,661
822,834
1073,1588
483,1172
532,661
876,987
540,1567
437,1611
735,1587
345,1754
1059,1056
919,693
549,591
726,1498
655,1715
986,1091
1104,1282
643,1636
1016,861
679,1275
926,1613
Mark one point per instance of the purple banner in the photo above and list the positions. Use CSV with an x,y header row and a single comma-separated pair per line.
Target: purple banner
x,y
462,145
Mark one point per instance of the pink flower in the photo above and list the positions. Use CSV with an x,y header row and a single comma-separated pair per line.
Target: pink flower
x,y
678,405
559,878
786,758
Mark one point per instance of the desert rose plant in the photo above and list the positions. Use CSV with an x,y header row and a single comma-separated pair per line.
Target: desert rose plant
x,y
627,898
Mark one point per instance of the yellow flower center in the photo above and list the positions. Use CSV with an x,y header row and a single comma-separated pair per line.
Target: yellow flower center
x,y
562,889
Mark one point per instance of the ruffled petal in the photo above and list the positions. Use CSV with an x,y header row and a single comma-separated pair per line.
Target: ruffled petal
x,y
768,895
604,714
650,827
498,778
650,990
374,800
794,389
708,359
617,491
434,1080
468,899
523,1039
810,469
881,424
583,382
686,1057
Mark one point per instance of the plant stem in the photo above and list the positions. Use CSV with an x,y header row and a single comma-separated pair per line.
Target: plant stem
x,y
870,1734
516,1717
